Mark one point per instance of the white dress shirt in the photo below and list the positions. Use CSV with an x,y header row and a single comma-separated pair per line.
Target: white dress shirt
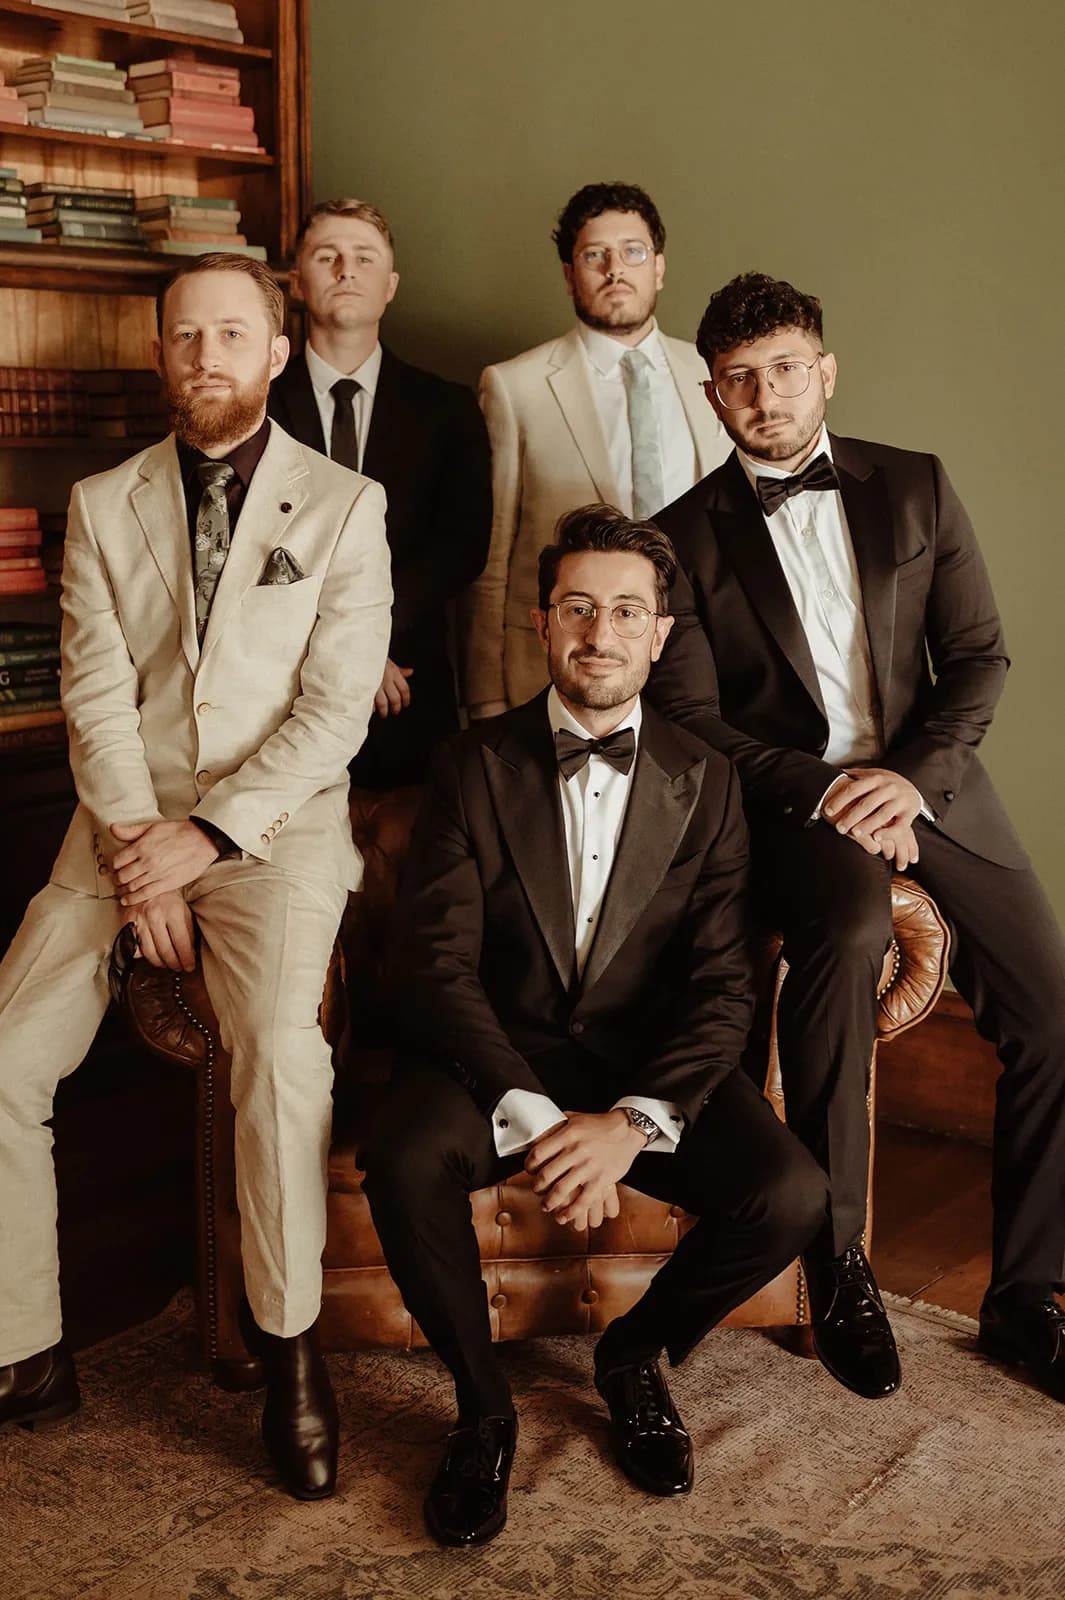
x,y
323,377
675,442
594,802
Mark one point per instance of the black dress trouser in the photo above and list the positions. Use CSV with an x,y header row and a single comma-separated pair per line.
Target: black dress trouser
x,y
758,1195
832,902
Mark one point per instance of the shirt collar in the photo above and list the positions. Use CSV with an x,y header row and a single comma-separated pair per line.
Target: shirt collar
x,y
560,718
323,376
604,353
766,469
244,459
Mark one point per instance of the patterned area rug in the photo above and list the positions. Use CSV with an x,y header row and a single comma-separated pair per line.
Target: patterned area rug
x,y
157,1490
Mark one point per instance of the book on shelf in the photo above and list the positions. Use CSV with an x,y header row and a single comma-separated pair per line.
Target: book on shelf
x,y
87,8
86,121
20,641
51,735
18,518
24,559
48,714
47,214
14,111
179,202
207,239
153,69
120,232
10,214
181,247
23,582
39,99
77,76
23,696
212,138
12,186
178,109
193,85
212,221
152,15
23,677
46,196
220,12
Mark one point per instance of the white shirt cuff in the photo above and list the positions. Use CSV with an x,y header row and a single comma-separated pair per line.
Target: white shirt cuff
x,y
668,1116
520,1118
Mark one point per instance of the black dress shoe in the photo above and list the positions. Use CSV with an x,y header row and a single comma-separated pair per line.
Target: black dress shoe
x,y
1031,1336
467,1503
851,1332
650,1441
301,1429
40,1389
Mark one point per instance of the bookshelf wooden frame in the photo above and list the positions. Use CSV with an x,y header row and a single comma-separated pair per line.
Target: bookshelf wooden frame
x,y
51,18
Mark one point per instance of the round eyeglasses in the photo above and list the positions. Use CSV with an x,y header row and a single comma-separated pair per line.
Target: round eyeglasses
x,y
628,621
633,253
738,390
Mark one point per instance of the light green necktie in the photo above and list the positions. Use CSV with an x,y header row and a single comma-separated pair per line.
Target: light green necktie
x,y
211,541
648,494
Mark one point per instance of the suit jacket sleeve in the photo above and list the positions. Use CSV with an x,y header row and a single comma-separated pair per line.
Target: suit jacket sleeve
x,y
100,690
484,684
708,1030
968,656
453,547
778,781
338,679
442,1007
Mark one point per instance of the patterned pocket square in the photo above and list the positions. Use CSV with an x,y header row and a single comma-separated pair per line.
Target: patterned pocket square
x,y
281,568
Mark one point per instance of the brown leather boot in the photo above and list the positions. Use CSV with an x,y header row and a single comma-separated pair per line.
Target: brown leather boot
x,y
40,1389
301,1429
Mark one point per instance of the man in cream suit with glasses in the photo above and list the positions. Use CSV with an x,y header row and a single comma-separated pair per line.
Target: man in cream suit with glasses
x,y
611,412
226,606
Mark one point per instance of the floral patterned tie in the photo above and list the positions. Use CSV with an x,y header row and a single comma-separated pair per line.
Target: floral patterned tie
x,y
211,543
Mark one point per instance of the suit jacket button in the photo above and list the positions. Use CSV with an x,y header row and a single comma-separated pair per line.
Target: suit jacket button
x,y
265,837
948,794
576,1027
284,816
203,775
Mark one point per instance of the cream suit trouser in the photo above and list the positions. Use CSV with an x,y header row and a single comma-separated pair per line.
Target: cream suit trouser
x,y
266,942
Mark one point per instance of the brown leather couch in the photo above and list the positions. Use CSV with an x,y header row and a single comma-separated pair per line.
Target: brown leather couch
x,y
540,1278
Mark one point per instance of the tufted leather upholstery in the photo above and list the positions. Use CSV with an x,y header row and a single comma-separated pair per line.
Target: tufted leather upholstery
x,y
540,1278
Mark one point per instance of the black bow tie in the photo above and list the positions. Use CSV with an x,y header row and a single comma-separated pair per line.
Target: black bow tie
x,y
572,752
820,474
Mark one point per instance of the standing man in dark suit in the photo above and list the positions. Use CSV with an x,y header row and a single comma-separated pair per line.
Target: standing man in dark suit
x,y
422,438
576,995
837,637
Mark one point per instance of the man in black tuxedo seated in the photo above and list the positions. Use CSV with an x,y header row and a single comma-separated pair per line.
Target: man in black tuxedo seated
x,y
571,934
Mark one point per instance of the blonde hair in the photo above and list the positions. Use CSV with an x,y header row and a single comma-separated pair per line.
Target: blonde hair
x,y
362,210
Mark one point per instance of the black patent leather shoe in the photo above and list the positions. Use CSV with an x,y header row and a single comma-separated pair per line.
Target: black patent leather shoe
x,y
39,1390
851,1331
650,1441
301,1429
1031,1336
467,1503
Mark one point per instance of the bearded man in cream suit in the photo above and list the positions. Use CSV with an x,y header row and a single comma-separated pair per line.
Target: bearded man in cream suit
x,y
612,412
226,605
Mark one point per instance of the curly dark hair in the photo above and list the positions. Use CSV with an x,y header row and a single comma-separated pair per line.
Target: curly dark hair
x,y
750,307
602,527
592,201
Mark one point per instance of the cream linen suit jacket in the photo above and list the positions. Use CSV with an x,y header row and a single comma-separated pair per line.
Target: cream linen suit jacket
x,y
254,729
549,455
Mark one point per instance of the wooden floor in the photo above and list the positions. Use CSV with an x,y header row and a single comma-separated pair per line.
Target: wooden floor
x,y
123,1140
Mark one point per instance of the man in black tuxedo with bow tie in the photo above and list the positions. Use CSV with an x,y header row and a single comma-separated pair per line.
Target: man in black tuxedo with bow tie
x,y
576,996
836,637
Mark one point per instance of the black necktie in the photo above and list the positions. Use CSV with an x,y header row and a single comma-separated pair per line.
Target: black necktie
x,y
343,443
819,474
572,752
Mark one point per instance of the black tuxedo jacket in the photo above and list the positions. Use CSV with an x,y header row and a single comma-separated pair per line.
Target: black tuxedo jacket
x,y
737,668
428,446
484,920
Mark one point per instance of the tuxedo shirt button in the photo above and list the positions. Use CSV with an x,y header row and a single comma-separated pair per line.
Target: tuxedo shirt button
x,y
576,1027
948,794
502,1122
788,810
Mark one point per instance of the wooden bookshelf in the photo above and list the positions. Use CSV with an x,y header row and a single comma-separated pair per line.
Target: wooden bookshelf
x,y
92,308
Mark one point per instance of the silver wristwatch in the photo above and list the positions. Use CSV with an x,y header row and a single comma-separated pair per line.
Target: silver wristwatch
x,y
645,1124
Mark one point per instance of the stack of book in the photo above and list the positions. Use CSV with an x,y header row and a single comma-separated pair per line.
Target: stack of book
x,y
77,95
11,107
53,536
73,215
124,403
188,225
194,102
30,713
21,571
211,19
40,401
13,224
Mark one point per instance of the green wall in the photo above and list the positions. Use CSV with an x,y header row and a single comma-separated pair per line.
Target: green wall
x,y
903,161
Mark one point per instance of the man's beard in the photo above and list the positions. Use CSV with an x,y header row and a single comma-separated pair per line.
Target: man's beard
x,y
206,423
783,446
626,317
596,694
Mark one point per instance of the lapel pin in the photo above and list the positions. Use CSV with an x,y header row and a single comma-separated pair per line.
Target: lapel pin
x,y
286,505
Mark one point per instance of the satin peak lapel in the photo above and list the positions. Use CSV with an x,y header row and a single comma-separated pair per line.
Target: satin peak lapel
x,y
659,810
522,778
743,536
158,503
572,388
869,522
